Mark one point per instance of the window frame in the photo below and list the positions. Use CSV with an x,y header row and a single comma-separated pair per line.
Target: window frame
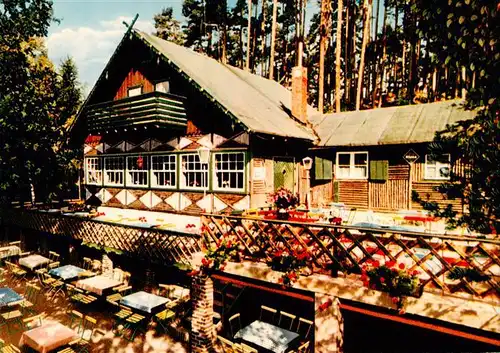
x,y
159,83
436,176
214,171
181,172
127,171
123,170
175,171
352,165
86,170
133,88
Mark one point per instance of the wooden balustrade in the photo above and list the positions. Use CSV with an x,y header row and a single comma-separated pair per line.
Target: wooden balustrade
x,y
331,249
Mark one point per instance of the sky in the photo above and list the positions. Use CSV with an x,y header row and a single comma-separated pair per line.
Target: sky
x,y
90,30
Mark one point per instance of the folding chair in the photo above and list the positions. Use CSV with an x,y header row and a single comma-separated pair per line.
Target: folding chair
x,y
248,349
76,317
87,264
267,311
133,323
304,327
33,321
284,316
225,344
82,344
8,348
163,318
11,318
303,348
30,298
120,316
235,324
74,294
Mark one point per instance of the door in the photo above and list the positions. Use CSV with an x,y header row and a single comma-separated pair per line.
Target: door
x,y
284,173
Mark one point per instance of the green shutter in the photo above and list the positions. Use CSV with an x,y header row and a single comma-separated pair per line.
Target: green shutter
x,y
323,168
379,170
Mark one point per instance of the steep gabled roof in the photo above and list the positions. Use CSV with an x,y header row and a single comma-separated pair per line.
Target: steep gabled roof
x,y
387,126
262,105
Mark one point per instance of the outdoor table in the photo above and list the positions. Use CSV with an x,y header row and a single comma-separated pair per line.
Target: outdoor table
x,y
9,296
67,272
144,301
268,336
8,251
48,337
97,284
33,261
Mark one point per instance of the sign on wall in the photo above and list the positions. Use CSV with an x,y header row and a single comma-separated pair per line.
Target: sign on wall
x,y
259,173
411,156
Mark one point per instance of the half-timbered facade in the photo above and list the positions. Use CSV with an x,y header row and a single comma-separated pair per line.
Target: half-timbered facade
x,y
168,129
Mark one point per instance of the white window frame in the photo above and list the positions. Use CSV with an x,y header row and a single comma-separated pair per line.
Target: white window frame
x,y
162,86
437,165
215,171
134,90
91,166
352,166
165,171
130,172
115,171
182,173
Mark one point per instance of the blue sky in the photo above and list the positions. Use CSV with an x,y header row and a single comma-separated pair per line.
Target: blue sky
x,y
91,29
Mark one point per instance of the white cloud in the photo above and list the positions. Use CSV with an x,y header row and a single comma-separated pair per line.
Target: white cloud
x,y
90,47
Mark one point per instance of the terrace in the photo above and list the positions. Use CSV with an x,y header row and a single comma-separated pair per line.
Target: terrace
x,y
456,277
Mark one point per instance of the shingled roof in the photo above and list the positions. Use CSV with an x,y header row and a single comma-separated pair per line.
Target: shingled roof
x,y
387,126
262,105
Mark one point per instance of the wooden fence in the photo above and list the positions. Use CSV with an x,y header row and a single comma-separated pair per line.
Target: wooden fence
x,y
347,249
156,245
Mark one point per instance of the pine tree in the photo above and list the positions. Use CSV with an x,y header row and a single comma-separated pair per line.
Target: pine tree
x,y
167,27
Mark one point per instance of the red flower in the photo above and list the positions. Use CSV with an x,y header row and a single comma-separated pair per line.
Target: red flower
x,y
376,263
222,268
228,245
193,273
402,266
401,312
366,284
292,275
415,273
394,270
390,263
395,300
382,280
280,280
364,277
205,262
373,287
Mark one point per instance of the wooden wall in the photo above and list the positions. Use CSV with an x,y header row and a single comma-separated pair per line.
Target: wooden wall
x,y
353,193
133,79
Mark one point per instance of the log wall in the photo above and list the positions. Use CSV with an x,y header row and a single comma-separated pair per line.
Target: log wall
x,y
133,79
353,193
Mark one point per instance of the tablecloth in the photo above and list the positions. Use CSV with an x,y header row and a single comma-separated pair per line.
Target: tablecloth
x,y
48,337
144,301
33,261
268,336
8,296
67,272
8,251
97,284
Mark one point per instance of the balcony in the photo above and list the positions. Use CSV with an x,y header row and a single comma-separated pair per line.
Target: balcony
x,y
156,108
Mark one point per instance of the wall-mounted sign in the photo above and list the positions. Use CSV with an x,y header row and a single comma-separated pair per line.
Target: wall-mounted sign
x,y
259,173
411,156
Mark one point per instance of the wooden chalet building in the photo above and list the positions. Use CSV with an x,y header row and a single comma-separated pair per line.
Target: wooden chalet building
x,y
157,108
169,129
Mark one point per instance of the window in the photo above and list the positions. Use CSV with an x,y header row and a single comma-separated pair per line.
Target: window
x,y
113,167
352,165
229,171
162,87
194,173
132,92
437,167
93,171
137,171
164,171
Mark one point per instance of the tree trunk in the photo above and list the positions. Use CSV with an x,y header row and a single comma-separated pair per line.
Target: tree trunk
x,y
323,41
263,39
375,62
224,42
249,34
338,52
383,58
347,77
273,39
366,33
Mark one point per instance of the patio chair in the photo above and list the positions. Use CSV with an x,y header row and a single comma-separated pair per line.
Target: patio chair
x,y
163,318
121,315
82,344
235,324
87,263
304,327
133,323
225,344
284,317
8,348
16,270
30,298
15,243
47,280
53,256
76,318
10,319
33,321
74,294
268,312
56,287
113,298
247,349
303,348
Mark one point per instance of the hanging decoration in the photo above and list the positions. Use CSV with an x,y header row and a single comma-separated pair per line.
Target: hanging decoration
x,y
140,162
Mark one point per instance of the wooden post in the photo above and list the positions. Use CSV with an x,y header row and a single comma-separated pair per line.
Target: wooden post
x,y
410,184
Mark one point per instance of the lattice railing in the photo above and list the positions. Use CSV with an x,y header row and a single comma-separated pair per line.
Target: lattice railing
x,y
346,249
157,245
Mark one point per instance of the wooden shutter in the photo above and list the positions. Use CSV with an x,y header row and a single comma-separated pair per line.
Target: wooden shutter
x,y
323,168
258,186
379,170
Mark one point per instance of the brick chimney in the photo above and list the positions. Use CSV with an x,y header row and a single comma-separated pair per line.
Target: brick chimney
x,y
299,93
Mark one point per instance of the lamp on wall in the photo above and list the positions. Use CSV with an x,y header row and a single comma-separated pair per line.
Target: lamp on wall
x,y
307,164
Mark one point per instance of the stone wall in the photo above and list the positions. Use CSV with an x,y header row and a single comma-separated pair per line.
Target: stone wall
x,y
202,327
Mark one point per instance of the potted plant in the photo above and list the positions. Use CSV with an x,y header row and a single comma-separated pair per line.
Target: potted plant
x,y
290,263
394,279
283,200
215,259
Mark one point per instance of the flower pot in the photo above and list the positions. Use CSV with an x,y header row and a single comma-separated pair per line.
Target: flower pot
x,y
282,215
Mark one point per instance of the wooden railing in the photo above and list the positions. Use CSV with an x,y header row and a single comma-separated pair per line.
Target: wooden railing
x,y
155,245
150,108
332,249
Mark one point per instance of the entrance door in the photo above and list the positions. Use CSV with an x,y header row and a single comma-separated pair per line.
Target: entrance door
x,y
284,173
